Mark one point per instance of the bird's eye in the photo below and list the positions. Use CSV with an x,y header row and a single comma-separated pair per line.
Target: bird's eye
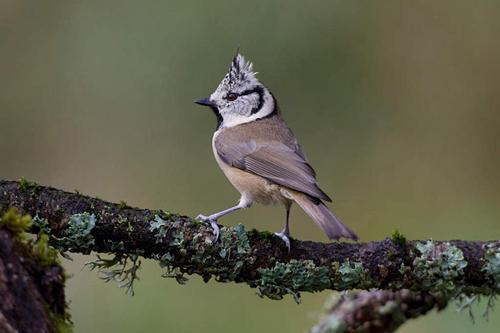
x,y
231,97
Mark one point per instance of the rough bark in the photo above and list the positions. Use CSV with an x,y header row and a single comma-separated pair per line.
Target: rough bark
x,y
375,311
31,294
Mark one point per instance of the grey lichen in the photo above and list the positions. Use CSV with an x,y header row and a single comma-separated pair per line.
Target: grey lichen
x,y
166,223
77,234
350,275
234,242
42,224
166,263
492,263
223,260
291,278
121,268
235,252
439,268
159,227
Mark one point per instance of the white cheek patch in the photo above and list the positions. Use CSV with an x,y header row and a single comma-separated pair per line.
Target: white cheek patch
x,y
231,119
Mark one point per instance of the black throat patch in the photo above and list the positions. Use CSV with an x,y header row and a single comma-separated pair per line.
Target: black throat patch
x,y
218,116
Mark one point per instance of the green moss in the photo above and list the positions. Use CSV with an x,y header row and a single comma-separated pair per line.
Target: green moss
x,y
439,268
398,238
77,235
291,278
62,322
165,214
16,223
195,222
28,187
45,254
492,263
266,235
40,250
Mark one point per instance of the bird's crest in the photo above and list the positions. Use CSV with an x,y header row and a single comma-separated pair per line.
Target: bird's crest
x,y
241,70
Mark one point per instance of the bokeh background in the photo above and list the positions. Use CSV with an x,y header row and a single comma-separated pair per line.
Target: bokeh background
x,y
396,103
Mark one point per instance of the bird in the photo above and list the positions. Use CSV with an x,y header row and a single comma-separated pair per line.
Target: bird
x,y
260,155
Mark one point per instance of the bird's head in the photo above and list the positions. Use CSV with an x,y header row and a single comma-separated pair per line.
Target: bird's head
x,y
240,97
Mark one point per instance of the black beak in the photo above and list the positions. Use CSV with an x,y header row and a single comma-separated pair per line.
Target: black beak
x,y
205,102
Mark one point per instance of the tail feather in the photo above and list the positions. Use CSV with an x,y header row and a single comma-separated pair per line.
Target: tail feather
x,y
323,217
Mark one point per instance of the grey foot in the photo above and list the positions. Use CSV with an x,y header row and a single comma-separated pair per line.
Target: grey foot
x,y
284,236
213,224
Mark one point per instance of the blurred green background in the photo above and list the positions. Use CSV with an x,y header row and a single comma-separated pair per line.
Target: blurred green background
x,y
397,105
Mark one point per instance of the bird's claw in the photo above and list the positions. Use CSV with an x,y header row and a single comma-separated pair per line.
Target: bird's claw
x,y
213,224
202,218
216,229
283,235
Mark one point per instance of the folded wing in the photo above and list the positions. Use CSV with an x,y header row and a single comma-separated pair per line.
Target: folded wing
x,y
280,163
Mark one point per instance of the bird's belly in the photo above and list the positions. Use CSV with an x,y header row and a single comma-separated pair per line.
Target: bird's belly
x,y
253,187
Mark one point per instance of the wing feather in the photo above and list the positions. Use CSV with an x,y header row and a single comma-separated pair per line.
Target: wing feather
x,y
276,161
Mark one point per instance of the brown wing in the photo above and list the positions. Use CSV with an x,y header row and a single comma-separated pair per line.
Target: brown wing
x,y
280,163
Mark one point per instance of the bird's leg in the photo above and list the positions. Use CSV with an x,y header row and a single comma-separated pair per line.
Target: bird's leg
x,y
214,217
285,233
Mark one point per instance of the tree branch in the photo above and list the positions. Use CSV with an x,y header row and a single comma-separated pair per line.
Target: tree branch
x,y
79,223
31,283
375,311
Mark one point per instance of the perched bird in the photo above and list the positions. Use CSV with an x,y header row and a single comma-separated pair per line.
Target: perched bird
x,y
260,155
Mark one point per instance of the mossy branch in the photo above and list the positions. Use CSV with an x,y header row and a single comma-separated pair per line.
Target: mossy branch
x,y
78,223
374,311
31,280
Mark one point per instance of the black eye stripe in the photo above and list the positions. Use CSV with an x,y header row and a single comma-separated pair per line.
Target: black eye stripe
x,y
257,90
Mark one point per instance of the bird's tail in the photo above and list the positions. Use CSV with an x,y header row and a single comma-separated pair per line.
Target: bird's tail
x,y
324,218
